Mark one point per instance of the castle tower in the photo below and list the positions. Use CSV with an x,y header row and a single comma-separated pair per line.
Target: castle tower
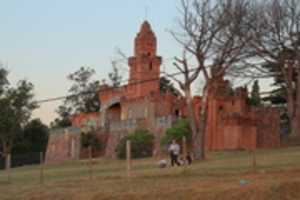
x,y
145,64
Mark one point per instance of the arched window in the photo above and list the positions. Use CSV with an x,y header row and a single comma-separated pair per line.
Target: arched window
x,y
221,109
177,113
150,66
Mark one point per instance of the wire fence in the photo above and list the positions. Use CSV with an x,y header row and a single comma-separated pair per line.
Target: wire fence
x,y
35,166
16,169
19,160
89,169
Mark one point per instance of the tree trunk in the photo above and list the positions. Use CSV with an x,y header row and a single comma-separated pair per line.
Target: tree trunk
x,y
290,105
202,126
202,123
297,125
296,120
294,114
6,147
294,125
196,135
294,105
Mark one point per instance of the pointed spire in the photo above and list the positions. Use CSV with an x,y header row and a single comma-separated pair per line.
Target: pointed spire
x,y
145,41
146,27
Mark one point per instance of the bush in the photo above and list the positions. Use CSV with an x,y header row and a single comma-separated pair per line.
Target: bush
x,y
90,139
177,131
141,145
33,138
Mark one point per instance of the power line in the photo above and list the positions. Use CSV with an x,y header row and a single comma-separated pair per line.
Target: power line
x,y
108,88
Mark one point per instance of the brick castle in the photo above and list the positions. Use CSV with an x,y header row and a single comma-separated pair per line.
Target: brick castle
x,y
232,123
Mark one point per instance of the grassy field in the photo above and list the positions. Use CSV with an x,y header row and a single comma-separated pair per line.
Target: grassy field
x,y
224,176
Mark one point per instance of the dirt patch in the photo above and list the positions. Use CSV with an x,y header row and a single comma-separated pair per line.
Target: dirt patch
x,y
279,185
286,191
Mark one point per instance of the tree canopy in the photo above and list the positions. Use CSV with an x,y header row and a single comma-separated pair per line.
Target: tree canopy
x,y
82,97
83,93
179,130
16,104
255,98
33,138
167,85
114,76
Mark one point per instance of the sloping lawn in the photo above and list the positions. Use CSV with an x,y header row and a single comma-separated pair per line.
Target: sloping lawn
x,y
224,175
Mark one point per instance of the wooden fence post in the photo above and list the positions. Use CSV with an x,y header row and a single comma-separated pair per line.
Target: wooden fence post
x,y
90,162
8,166
41,168
128,157
184,150
254,159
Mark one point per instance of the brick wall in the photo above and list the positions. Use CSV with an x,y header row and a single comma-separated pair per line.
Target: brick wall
x,y
268,127
63,145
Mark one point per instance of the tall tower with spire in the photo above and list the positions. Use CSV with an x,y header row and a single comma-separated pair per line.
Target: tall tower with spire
x,y
145,64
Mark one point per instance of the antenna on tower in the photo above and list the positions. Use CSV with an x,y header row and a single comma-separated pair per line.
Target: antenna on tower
x,y
146,12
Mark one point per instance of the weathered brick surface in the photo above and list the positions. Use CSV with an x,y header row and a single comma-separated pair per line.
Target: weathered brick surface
x,y
103,139
268,128
233,124
86,119
63,145
112,142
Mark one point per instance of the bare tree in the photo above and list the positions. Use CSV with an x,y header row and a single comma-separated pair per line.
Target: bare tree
x,y
214,36
115,76
275,27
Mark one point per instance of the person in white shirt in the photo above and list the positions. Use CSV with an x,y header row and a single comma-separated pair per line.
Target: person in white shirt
x,y
174,150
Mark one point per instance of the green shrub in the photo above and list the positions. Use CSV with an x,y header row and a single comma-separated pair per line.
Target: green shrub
x,y
141,145
90,139
177,131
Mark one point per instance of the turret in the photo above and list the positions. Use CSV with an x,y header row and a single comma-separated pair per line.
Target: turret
x,y
145,64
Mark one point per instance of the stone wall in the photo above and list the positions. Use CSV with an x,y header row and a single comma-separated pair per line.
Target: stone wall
x,y
126,125
112,142
102,137
268,129
83,120
63,145
231,123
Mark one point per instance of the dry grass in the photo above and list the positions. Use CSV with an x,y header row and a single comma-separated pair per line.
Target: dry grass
x,y
277,176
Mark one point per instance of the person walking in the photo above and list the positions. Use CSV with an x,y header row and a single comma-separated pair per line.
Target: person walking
x,y
174,150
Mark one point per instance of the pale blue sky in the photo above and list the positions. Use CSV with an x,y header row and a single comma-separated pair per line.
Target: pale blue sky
x,y
45,40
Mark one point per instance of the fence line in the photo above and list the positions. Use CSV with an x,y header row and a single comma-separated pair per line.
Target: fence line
x,y
8,167
90,163
128,157
39,171
41,168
